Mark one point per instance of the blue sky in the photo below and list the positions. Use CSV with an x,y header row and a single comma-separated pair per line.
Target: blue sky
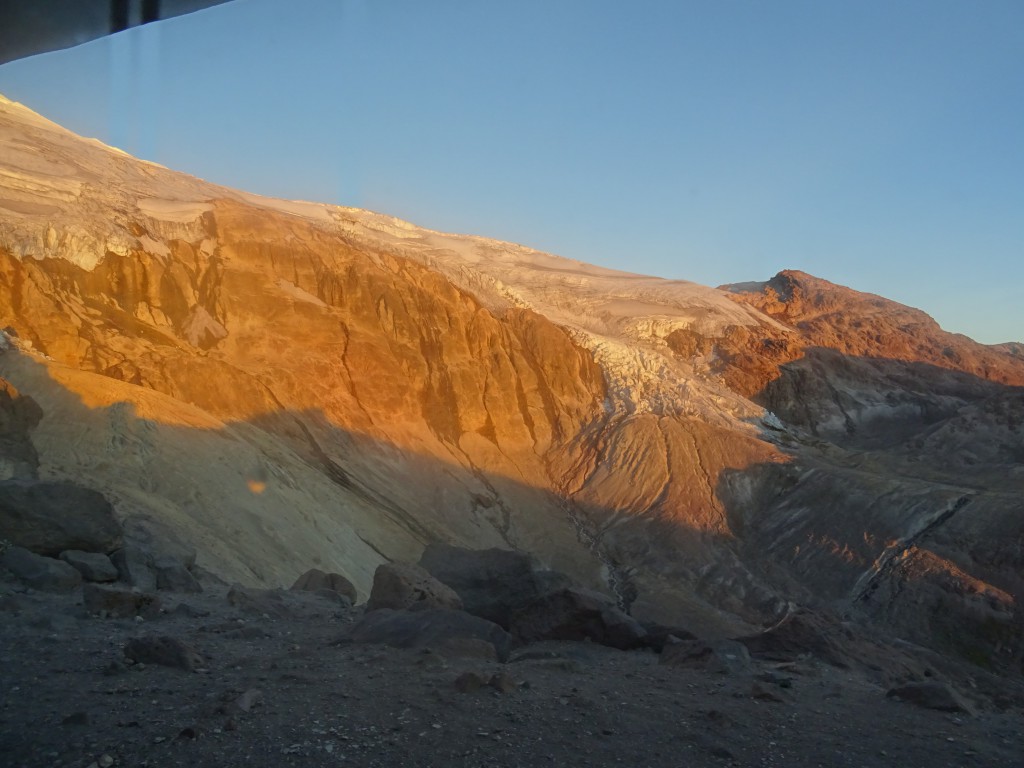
x,y
875,144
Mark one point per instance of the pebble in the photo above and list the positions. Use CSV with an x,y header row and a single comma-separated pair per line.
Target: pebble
x,y
105,761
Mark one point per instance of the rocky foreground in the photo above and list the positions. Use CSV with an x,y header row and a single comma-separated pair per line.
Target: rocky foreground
x,y
102,673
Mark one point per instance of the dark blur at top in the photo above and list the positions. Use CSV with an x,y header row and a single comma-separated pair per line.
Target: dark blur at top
x,y
28,27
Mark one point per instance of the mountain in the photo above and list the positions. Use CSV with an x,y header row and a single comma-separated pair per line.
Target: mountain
x,y
283,385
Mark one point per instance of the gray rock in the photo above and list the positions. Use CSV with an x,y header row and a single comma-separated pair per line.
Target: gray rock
x,y
135,567
402,586
119,603
577,614
38,572
492,583
429,628
172,575
270,602
165,651
314,580
51,517
93,566
724,657
932,695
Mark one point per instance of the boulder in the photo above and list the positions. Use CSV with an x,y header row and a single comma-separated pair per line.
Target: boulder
x,y
435,628
492,583
314,580
577,614
801,633
135,567
119,603
51,517
723,657
931,694
38,572
93,566
165,651
403,586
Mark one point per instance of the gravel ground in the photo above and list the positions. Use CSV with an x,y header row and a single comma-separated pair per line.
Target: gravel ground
x,y
287,690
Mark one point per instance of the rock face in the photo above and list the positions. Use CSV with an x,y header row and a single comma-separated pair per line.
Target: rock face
x,y
403,586
51,517
278,384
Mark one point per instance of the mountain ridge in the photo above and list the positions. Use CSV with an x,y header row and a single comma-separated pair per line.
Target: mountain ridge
x,y
709,456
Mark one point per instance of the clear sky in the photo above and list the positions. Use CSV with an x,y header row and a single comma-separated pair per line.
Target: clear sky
x,y
876,144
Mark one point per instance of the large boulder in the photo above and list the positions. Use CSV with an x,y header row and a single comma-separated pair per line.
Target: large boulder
x,y
315,580
51,517
436,628
577,614
403,586
492,583
94,566
801,633
38,572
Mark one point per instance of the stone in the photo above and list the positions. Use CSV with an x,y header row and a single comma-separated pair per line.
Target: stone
x,y
94,566
799,634
165,651
119,603
469,682
260,602
577,614
931,694
314,580
428,628
173,576
50,517
492,583
135,567
402,586
765,693
503,683
38,572
249,699
722,657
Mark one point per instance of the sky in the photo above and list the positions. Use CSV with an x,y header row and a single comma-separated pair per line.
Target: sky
x,y
874,144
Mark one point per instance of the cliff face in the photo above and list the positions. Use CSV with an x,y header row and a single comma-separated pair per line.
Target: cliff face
x,y
291,384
